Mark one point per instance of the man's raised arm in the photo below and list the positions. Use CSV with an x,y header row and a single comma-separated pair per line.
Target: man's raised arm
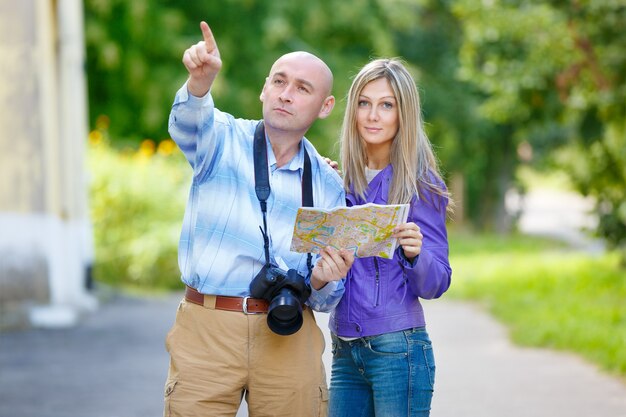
x,y
203,62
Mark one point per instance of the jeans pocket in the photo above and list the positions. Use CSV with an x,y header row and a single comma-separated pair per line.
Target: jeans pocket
x,y
391,344
429,361
422,356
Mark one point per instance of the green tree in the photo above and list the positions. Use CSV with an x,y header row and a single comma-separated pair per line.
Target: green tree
x,y
553,73
467,143
593,90
503,54
134,51
133,54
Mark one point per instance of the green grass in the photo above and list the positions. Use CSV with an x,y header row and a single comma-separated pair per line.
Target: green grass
x,y
546,295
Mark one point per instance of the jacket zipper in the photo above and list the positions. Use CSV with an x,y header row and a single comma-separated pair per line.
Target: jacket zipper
x,y
377,299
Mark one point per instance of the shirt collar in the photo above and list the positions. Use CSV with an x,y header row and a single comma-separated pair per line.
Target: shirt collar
x,y
296,163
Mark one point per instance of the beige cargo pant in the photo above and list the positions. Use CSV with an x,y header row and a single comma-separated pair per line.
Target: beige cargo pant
x,y
217,357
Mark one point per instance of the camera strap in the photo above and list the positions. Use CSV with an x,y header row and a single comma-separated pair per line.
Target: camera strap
x,y
262,185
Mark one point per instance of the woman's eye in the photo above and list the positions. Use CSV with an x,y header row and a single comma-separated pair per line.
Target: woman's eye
x,y
363,103
388,105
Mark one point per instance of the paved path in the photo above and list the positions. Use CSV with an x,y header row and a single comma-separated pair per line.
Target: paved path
x,y
114,365
561,215
481,374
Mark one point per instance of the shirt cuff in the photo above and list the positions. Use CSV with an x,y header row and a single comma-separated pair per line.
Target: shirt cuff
x,y
183,96
319,298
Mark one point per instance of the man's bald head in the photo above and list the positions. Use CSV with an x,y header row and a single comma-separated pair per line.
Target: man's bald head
x,y
307,61
296,93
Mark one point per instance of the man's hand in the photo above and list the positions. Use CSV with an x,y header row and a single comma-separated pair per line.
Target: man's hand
x,y
333,266
203,62
410,238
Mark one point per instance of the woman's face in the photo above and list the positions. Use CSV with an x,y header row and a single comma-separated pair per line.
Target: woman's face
x,y
377,116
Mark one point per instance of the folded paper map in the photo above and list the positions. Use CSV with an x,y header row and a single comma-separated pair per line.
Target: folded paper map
x,y
365,229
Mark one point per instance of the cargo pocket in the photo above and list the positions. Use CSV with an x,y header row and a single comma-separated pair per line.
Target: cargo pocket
x,y
323,411
169,391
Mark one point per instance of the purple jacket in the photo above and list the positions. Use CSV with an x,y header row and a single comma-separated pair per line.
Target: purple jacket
x,y
382,295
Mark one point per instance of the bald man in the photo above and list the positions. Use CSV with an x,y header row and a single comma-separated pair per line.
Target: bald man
x,y
223,345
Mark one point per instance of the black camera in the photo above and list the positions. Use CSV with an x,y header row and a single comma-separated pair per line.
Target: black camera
x,y
286,292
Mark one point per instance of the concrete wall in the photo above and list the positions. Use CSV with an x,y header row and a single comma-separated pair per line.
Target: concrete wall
x,y
45,236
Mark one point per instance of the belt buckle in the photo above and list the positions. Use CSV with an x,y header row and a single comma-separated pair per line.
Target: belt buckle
x,y
244,305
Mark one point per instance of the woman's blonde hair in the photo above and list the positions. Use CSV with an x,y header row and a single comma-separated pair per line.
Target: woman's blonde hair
x,y
414,164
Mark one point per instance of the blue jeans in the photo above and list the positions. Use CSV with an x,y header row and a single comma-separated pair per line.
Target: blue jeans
x,y
390,375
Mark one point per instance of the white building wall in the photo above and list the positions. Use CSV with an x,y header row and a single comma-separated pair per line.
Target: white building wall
x,y
45,240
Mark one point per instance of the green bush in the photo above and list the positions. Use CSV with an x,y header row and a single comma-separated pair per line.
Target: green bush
x,y
137,202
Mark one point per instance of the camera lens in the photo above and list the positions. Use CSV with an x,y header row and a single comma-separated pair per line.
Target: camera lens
x,y
285,313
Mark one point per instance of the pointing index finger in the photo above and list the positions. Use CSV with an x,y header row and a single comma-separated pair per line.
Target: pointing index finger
x,y
207,35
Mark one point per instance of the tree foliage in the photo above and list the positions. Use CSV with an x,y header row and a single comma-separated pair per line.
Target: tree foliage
x,y
133,48
134,52
554,72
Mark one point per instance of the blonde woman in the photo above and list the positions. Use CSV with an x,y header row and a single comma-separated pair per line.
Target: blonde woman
x,y
383,363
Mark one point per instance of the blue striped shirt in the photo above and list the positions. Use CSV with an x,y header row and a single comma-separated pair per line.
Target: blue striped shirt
x,y
221,246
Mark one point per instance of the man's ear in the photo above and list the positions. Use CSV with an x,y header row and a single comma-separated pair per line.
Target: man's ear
x,y
262,96
327,107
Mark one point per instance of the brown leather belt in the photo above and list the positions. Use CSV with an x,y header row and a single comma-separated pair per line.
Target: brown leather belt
x,y
246,305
